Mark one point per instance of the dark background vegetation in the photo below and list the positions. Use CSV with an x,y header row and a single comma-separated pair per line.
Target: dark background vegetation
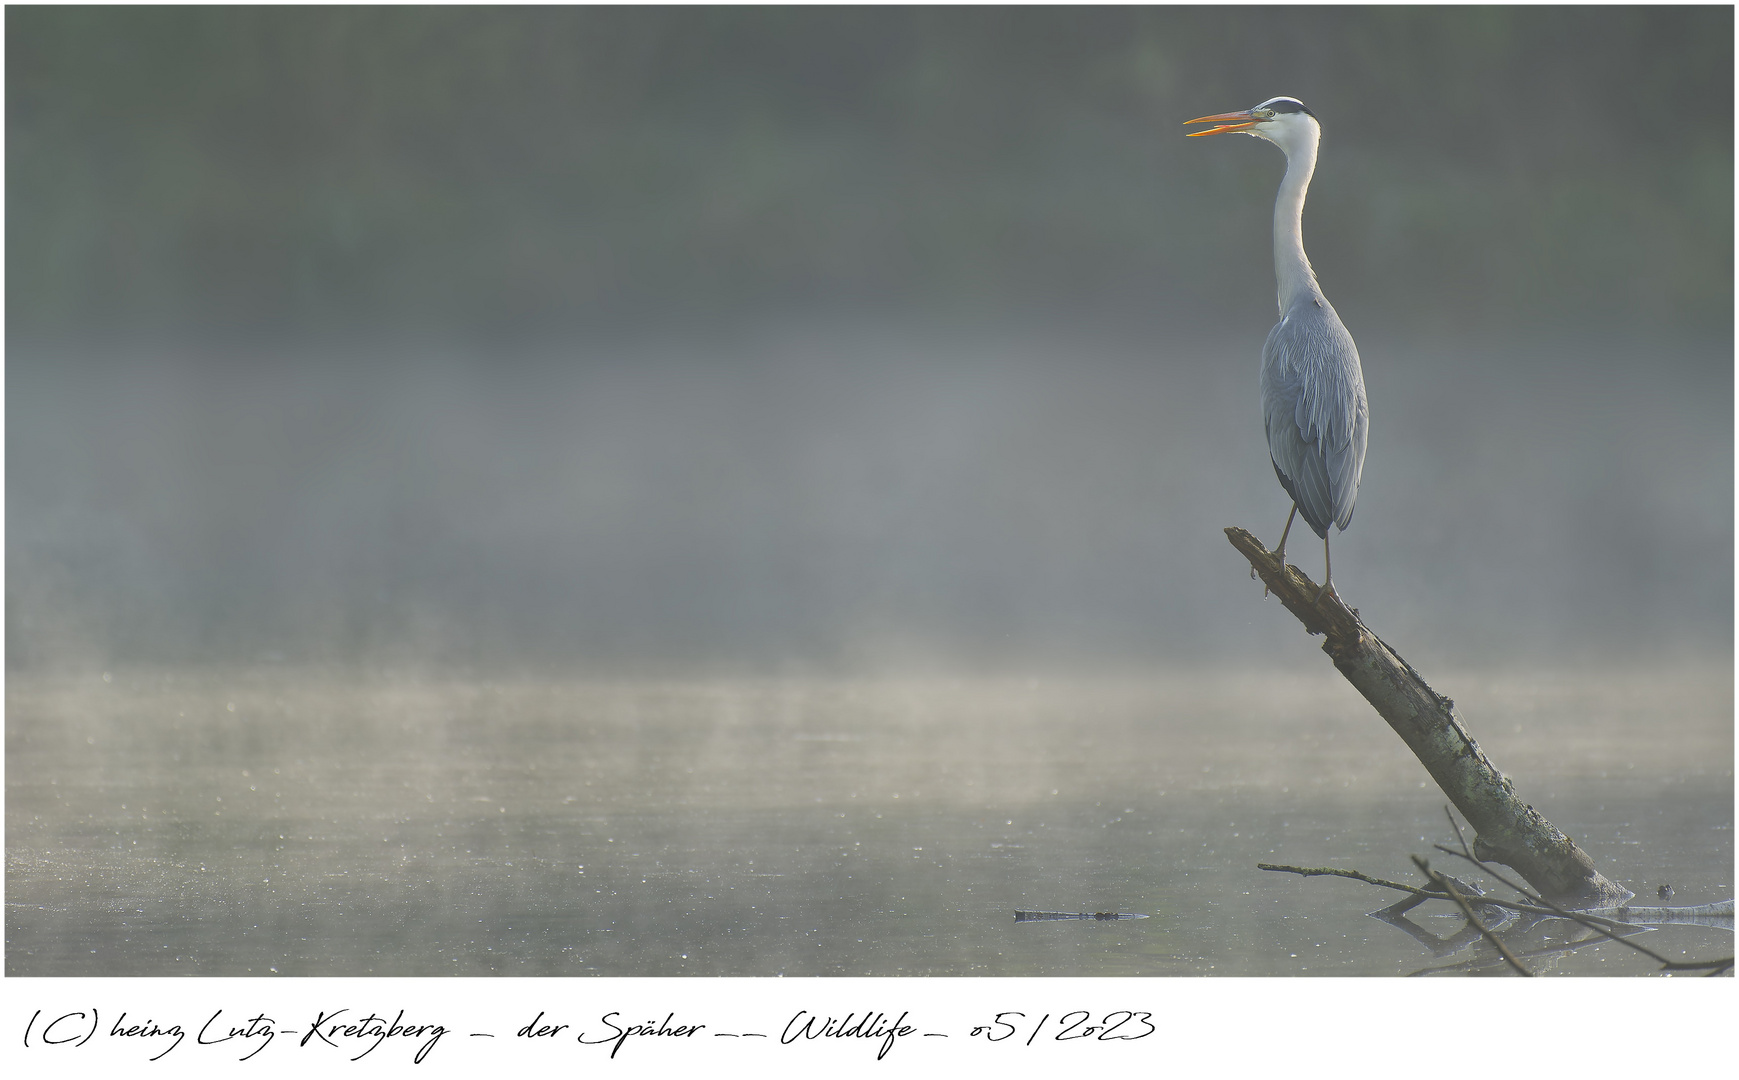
x,y
843,337
287,171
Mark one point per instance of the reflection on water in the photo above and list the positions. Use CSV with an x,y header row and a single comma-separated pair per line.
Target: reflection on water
x,y
319,823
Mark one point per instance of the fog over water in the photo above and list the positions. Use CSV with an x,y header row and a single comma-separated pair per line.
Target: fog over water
x,y
843,496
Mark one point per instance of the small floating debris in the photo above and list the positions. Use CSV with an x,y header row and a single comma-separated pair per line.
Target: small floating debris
x,y
1030,916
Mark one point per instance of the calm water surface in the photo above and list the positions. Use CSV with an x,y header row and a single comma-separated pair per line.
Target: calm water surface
x,y
301,822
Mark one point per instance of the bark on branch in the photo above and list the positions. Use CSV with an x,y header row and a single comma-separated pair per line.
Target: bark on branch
x,y
1508,831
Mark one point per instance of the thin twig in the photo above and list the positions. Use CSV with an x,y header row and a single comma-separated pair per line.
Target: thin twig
x,y
1424,894
1443,883
1453,824
1332,871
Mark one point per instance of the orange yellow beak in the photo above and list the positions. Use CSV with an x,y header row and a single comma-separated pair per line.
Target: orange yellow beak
x,y
1231,121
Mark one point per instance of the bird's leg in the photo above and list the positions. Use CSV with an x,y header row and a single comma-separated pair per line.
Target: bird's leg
x,y
1327,573
1280,552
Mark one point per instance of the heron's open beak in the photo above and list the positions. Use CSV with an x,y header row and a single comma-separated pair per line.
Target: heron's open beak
x,y
1231,121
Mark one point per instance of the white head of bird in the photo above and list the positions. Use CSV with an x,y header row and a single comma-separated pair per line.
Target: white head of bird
x,y
1284,121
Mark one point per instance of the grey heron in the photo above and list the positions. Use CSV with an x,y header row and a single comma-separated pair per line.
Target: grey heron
x,y
1313,392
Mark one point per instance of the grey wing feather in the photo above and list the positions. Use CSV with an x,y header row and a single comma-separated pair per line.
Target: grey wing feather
x,y
1314,410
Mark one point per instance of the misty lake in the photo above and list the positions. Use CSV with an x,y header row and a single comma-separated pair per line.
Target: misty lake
x,y
299,821
636,491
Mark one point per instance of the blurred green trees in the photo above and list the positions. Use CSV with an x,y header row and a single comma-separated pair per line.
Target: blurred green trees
x,y
314,170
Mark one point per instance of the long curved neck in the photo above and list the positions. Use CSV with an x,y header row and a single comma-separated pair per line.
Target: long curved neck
x,y
1291,267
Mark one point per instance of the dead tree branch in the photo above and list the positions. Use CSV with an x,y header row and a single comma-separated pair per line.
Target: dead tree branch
x,y
1507,830
1330,871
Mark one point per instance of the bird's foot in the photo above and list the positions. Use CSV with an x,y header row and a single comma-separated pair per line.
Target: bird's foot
x,y
1326,590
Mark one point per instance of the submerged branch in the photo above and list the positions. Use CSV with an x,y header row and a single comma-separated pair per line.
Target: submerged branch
x,y
1467,897
1587,918
1467,909
1594,922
